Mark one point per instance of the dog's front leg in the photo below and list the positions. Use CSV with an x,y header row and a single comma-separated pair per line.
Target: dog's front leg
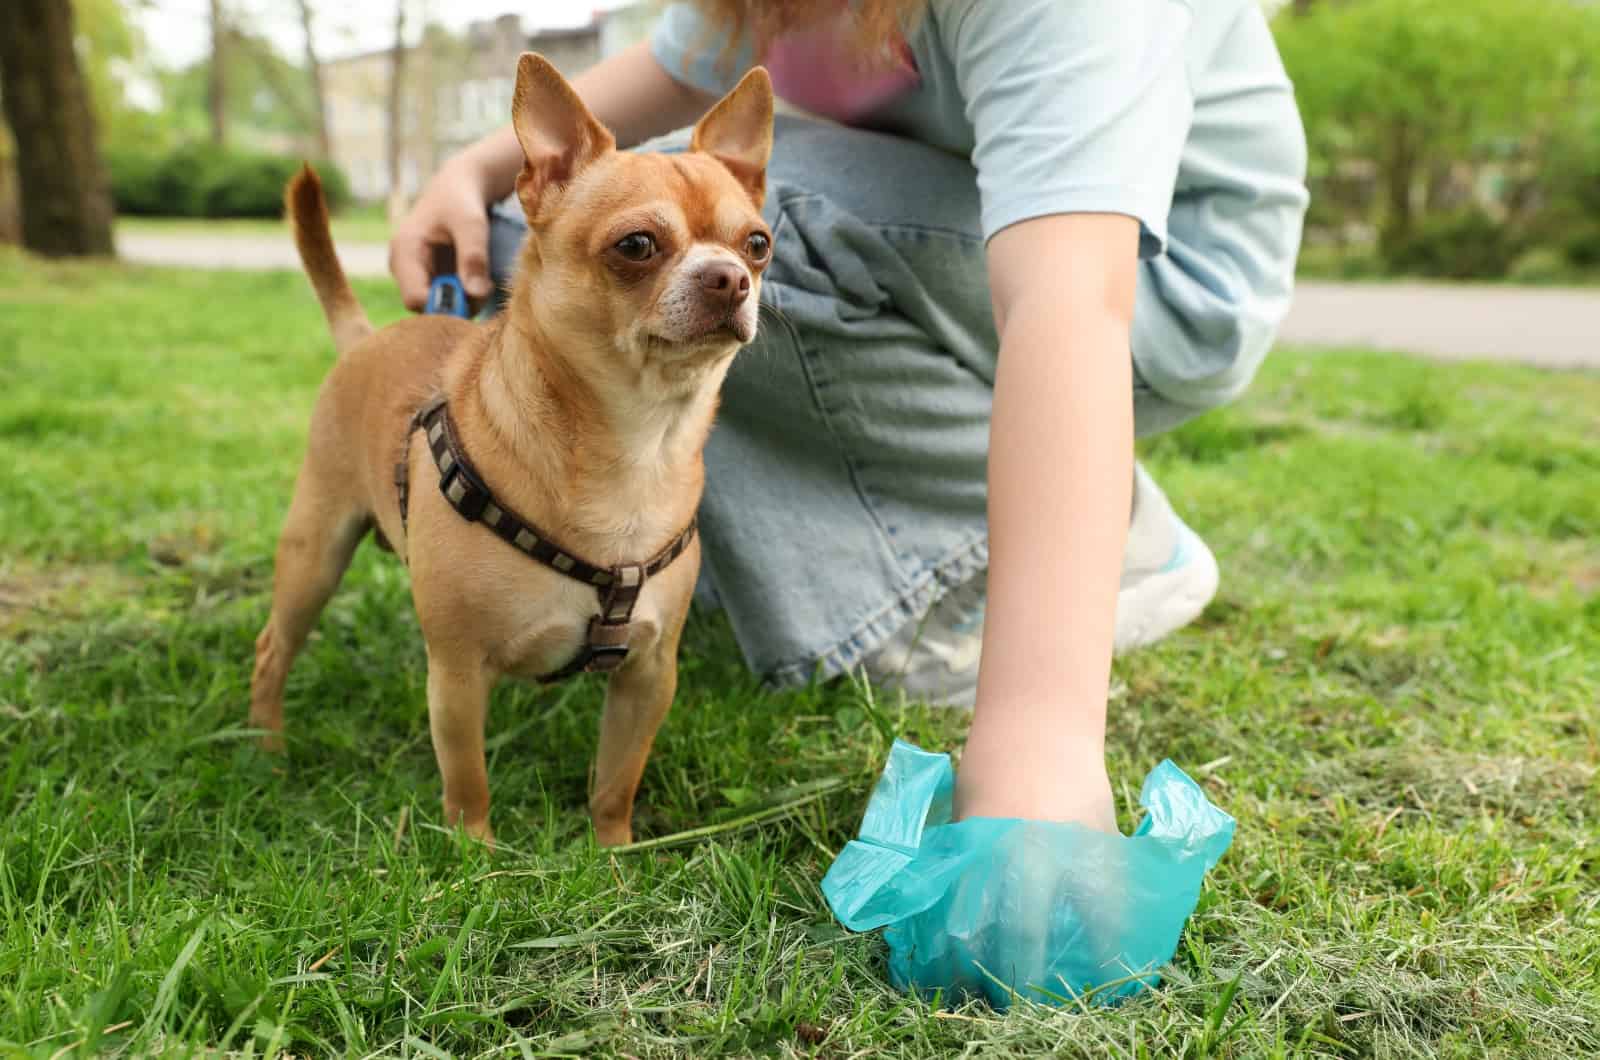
x,y
637,699
458,699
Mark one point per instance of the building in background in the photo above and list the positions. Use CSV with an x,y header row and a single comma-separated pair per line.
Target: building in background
x,y
355,92
457,87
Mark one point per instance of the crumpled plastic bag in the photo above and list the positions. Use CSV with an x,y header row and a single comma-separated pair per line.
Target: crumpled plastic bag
x,y
988,906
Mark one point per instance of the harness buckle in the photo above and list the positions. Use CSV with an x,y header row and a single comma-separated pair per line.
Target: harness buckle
x,y
605,660
465,493
607,645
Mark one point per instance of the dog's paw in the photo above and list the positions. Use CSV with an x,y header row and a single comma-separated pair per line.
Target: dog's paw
x,y
481,832
478,828
270,725
613,833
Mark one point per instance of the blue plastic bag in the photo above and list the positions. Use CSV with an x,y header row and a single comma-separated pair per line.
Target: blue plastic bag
x,y
988,906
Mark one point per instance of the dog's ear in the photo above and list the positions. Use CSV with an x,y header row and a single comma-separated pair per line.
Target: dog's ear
x,y
559,136
738,132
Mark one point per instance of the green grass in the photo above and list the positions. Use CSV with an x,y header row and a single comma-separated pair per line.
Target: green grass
x,y
356,224
1396,694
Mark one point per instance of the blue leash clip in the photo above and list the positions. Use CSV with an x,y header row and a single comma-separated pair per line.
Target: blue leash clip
x,y
446,296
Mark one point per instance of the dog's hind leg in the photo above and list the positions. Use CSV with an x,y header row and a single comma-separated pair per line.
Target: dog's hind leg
x,y
319,537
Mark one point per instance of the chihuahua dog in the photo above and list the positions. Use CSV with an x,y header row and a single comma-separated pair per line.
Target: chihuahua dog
x,y
539,475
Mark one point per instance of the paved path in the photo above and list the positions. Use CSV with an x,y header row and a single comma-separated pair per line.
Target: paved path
x,y
241,252
1554,327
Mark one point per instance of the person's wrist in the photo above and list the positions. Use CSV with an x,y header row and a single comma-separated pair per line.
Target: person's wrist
x,y
469,169
1028,758
1057,728
1039,761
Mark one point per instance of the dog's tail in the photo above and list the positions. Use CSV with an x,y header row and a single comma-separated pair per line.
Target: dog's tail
x,y
307,210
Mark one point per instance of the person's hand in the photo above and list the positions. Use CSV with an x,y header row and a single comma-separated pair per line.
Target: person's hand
x,y
452,211
1014,765
1037,906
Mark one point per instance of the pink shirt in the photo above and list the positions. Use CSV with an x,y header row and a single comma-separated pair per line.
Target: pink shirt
x,y
814,69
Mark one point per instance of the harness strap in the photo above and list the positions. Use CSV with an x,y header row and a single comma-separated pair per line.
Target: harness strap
x,y
402,469
606,643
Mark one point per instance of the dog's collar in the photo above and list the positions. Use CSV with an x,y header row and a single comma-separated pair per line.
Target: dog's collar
x,y
618,586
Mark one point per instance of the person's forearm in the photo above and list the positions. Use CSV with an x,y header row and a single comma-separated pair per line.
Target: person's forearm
x,y
1060,479
629,92
1060,484
636,98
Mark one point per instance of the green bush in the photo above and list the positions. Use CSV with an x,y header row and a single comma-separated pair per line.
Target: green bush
x,y
143,183
1541,265
199,180
1324,261
1582,247
1419,112
1467,245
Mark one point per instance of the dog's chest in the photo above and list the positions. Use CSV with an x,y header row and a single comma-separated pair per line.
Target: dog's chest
x,y
546,627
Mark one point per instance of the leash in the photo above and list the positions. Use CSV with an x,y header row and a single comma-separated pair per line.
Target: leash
x,y
446,295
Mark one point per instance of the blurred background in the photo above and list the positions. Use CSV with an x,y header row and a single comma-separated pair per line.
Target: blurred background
x,y
201,108
1455,139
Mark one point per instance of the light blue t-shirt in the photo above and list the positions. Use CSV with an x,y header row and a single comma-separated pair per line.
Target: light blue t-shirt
x,y
1177,113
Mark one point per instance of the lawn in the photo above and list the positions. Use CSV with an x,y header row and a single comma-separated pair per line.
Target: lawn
x,y
1397,694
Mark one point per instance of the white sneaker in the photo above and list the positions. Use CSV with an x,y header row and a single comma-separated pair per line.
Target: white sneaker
x,y
934,660
1168,577
1168,573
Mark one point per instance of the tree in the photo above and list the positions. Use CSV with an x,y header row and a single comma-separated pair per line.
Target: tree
x,y
110,46
397,69
10,210
65,199
217,91
314,72
267,96
1421,88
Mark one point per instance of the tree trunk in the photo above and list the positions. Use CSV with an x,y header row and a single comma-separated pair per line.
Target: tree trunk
x,y
314,71
1399,179
397,69
217,86
10,214
65,197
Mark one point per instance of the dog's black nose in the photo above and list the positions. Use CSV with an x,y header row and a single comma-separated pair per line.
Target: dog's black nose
x,y
723,280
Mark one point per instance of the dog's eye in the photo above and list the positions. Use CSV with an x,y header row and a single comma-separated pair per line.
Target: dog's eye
x,y
758,246
640,246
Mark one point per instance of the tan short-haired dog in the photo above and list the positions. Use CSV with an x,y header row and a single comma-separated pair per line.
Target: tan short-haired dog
x,y
539,474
